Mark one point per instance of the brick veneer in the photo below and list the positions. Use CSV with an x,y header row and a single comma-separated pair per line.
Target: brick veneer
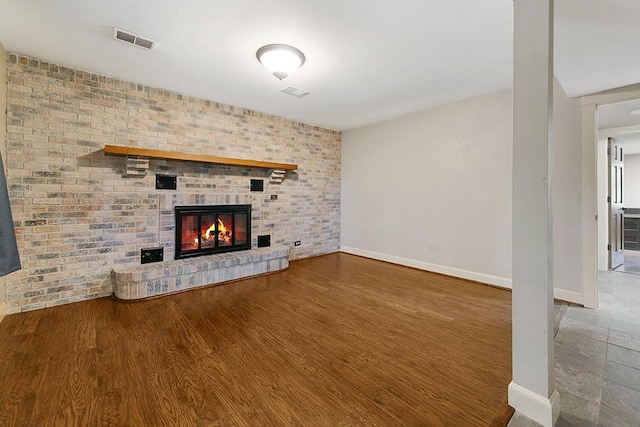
x,y
77,216
149,280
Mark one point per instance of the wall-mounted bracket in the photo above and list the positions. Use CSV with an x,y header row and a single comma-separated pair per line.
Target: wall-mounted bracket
x,y
137,166
277,176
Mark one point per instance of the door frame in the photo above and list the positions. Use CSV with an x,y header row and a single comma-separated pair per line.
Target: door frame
x,y
589,218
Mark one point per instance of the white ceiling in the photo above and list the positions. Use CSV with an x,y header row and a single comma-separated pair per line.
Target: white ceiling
x,y
616,120
619,115
367,60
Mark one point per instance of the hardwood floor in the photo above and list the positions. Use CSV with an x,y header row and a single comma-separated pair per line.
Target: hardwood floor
x,y
334,340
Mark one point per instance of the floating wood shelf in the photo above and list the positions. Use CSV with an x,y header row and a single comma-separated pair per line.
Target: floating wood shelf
x,y
114,150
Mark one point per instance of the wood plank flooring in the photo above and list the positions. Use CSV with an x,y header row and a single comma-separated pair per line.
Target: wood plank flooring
x,y
336,340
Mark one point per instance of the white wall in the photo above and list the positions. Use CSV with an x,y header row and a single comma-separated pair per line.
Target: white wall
x,y
566,196
433,190
631,181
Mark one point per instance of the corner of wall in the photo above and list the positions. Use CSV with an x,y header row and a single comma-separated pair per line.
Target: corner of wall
x,y
3,103
3,152
566,195
3,310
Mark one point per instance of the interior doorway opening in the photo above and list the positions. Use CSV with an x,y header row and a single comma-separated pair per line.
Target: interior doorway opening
x,y
618,193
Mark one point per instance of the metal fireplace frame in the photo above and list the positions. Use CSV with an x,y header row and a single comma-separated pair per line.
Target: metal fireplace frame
x,y
199,210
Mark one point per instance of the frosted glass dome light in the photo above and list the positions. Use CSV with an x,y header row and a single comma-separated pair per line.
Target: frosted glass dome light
x,y
280,59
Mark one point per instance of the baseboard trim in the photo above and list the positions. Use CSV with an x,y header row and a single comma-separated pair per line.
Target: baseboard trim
x,y
540,409
3,310
501,282
569,296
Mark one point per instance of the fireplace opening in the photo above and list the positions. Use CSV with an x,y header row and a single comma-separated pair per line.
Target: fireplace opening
x,y
204,230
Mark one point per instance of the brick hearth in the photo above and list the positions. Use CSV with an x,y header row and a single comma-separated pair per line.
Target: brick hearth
x,y
148,280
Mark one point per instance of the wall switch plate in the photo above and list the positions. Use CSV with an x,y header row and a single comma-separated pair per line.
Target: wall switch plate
x,y
297,243
149,255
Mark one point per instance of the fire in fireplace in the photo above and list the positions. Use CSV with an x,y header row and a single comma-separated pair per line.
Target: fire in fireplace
x,y
203,230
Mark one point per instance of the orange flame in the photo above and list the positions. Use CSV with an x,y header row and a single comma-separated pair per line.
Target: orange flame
x,y
224,235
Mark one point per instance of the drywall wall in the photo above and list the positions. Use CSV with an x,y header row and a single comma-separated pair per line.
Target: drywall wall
x,y
566,195
632,181
3,152
433,190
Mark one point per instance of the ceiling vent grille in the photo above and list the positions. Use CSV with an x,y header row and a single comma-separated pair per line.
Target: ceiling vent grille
x,y
295,91
134,39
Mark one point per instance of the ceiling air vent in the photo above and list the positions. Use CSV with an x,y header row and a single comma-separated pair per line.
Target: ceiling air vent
x,y
134,39
295,91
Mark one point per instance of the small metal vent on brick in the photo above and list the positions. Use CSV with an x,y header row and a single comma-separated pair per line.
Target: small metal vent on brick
x,y
134,39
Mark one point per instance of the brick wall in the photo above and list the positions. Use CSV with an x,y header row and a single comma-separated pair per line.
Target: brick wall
x,y
77,215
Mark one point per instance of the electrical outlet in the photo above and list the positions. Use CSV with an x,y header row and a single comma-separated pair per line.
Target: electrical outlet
x,y
432,247
297,243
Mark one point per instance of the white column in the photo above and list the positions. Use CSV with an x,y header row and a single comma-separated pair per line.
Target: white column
x,y
532,391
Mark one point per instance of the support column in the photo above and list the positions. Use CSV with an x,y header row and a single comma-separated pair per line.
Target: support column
x,y
532,390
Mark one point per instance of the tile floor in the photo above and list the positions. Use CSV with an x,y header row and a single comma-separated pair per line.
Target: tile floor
x,y
597,358
631,262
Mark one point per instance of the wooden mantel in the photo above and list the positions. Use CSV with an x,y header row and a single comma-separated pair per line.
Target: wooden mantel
x,y
115,150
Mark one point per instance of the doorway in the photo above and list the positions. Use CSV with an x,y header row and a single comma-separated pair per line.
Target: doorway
x,y
619,186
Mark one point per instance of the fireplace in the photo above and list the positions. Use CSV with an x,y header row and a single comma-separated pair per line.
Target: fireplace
x,y
204,230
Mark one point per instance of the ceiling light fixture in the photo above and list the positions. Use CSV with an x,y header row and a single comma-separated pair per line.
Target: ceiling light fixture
x,y
280,59
635,111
